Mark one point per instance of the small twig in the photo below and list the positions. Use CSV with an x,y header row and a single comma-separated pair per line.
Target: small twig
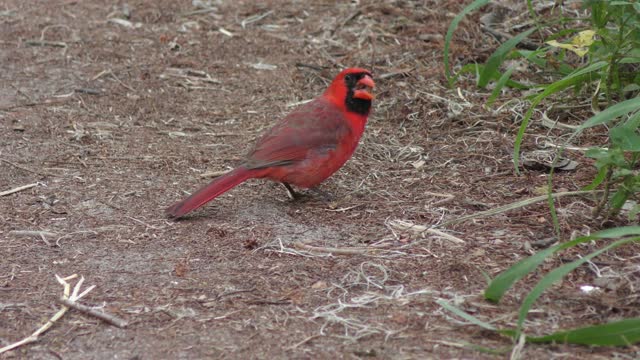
x,y
395,73
121,83
143,223
26,168
111,319
31,233
575,148
88,91
59,44
21,92
419,229
212,174
294,346
36,103
233,292
515,205
67,294
255,18
446,236
447,198
311,66
336,251
34,233
345,208
346,21
19,188
198,12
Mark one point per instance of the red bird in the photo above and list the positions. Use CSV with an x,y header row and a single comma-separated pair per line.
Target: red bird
x,y
304,148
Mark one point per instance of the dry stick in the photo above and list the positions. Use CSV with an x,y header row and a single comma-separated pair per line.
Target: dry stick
x,y
120,82
36,103
446,236
198,12
336,251
292,347
233,292
34,233
26,168
111,319
214,173
19,188
515,205
419,229
66,294
46,43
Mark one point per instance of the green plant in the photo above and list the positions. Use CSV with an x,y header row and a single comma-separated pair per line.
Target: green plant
x,y
610,69
617,333
598,58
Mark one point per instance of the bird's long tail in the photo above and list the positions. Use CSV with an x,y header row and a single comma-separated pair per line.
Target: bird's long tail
x,y
211,191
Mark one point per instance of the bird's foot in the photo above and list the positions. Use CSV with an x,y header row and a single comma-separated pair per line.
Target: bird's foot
x,y
293,195
325,196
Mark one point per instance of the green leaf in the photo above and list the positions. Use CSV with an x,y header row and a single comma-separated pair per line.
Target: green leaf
x,y
466,69
532,56
452,27
596,153
612,113
617,232
625,138
599,13
557,274
472,319
633,122
633,213
613,156
505,280
619,198
602,174
495,60
619,333
499,85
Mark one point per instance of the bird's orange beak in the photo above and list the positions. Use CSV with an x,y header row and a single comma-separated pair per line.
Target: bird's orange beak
x,y
364,88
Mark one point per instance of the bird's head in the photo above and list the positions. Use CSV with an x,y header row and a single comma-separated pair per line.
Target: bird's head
x,y
353,88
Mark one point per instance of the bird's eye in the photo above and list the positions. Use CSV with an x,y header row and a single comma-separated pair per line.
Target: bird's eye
x,y
349,77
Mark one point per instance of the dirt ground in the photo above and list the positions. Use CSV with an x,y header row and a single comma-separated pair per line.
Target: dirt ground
x,y
115,110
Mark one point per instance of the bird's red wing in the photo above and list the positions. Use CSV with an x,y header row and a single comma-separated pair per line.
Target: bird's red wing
x,y
314,128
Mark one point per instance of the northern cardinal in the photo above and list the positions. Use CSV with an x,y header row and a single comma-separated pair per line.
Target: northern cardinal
x,y
304,148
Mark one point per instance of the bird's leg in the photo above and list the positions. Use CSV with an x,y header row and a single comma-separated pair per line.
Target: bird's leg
x,y
292,194
326,196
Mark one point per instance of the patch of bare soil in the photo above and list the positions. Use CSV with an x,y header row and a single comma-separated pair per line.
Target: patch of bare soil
x,y
113,111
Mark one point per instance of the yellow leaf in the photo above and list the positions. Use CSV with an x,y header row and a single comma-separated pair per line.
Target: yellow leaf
x,y
579,44
584,38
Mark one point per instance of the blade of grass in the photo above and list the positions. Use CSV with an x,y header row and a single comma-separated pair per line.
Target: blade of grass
x,y
568,81
619,333
452,27
499,85
557,274
612,113
490,70
505,280
472,319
